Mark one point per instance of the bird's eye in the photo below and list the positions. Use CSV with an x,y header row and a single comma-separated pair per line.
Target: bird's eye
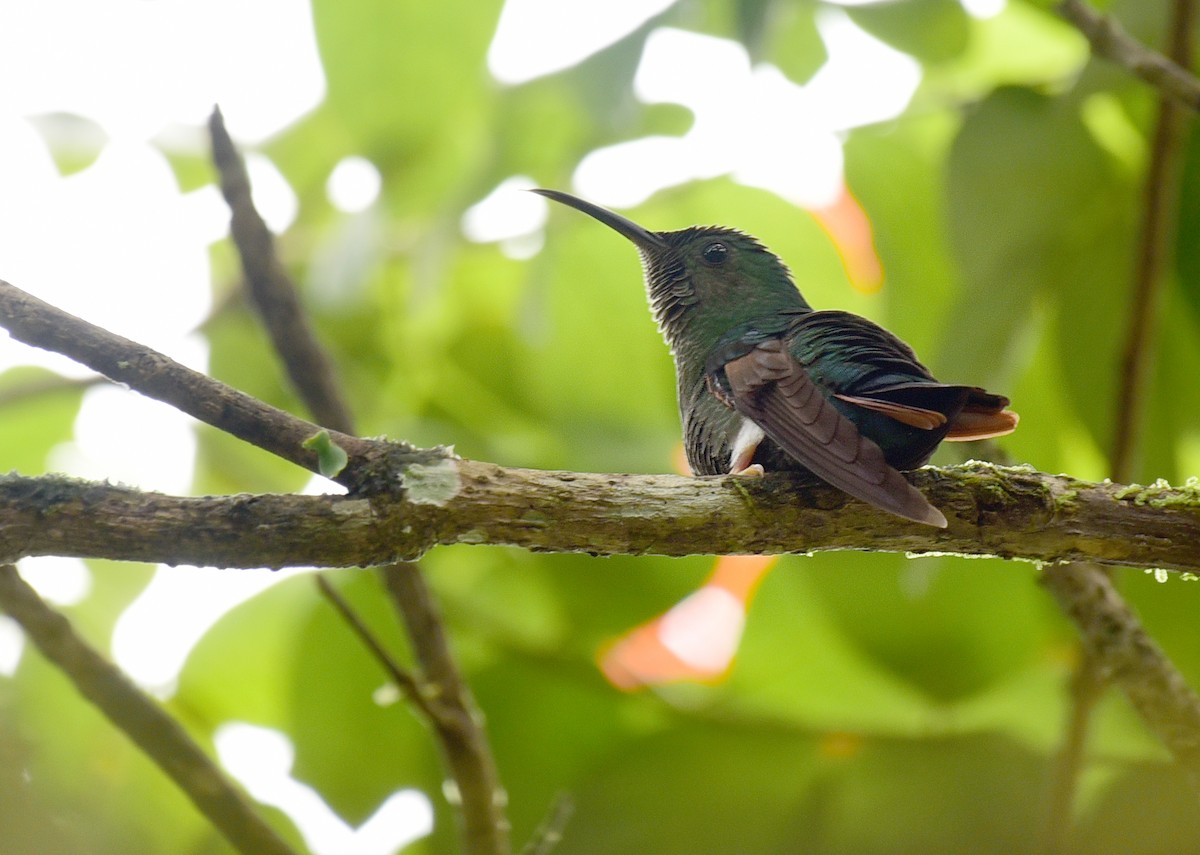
x,y
715,253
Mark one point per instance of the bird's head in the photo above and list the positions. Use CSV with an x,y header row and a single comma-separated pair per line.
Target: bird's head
x,y
702,280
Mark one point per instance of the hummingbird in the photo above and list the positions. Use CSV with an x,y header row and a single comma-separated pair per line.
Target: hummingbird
x,y
767,383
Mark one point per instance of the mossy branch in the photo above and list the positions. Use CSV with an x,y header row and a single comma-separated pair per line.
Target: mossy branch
x,y
1011,512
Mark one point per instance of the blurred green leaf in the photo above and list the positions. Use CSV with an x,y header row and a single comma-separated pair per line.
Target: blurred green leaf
x,y
1034,212
75,141
646,798
785,33
37,409
933,31
949,628
896,174
1023,44
1187,234
241,669
1146,809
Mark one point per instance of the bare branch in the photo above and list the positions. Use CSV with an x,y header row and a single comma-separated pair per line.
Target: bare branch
x,y
459,724
141,719
549,834
404,680
1109,40
272,290
155,375
1129,656
443,698
1011,512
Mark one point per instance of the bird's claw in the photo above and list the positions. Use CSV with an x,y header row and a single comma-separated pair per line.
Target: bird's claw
x,y
754,470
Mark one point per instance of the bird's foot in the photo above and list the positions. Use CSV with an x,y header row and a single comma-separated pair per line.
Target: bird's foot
x,y
754,470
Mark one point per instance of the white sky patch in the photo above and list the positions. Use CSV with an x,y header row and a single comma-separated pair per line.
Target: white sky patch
x,y
136,67
508,211
864,81
206,214
752,122
155,634
353,185
983,8
61,581
319,485
12,645
628,173
704,629
521,247
273,196
261,759
111,244
124,437
539,37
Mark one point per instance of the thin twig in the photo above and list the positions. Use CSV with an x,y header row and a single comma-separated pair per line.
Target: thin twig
x,y
404,680
549,834
463,740
1109,40
272,291
446,703
141,719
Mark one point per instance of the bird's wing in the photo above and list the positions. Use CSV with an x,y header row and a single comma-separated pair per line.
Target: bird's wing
x,y
768,386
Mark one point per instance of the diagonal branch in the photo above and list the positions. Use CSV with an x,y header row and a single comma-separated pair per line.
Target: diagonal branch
x,y
157,376
272,290
405,681
459,722
141,719
1109,40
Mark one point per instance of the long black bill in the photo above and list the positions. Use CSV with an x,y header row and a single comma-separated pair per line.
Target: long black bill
x,y
644,238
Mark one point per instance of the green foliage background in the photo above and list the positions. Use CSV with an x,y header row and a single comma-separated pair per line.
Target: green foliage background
x,y
878,703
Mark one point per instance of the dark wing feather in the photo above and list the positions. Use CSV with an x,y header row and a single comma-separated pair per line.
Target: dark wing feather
x,y
975,413
917,417
770,387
